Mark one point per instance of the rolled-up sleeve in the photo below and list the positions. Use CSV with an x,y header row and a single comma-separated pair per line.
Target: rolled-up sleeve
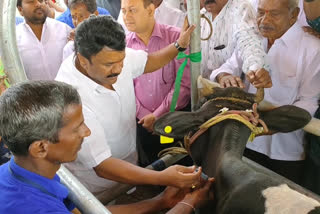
x,y
249,41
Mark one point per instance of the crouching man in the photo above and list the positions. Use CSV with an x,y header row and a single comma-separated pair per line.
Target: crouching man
x,y
42,124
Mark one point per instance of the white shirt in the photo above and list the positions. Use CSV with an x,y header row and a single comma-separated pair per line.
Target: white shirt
x,y
164,14
235,26
295,73
68,49
42,59
178,4
111,117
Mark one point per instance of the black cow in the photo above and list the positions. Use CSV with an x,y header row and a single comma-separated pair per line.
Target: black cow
x,y
239,188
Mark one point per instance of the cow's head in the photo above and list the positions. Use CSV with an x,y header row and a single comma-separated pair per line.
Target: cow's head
x,y
278,119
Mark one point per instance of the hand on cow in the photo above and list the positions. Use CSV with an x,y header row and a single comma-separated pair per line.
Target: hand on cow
x,y
227,80
171,196
181,176
148,121
185,34
260,78
200,196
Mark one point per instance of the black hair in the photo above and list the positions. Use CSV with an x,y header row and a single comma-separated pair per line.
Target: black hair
x,y
95,33
32,111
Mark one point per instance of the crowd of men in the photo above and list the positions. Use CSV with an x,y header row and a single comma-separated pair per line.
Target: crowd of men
x,y
114,77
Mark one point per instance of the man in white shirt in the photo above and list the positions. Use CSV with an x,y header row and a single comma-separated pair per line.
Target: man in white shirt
x,y
79,10
40,40
164,14
235,27
103,71
293,56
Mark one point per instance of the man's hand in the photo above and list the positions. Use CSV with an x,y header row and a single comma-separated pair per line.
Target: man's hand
x,y
181,176
172,195
72,34
148,121
260,78
200,196
227,80
185,34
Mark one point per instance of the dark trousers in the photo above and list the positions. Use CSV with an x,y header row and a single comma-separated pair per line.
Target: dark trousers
x,y
148,145
293,170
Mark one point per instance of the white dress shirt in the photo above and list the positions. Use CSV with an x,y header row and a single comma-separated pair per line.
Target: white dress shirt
x,y
164,14
295,73
111,117
234,27
68,49
42,59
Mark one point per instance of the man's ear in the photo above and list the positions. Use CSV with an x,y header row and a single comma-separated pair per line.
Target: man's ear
x,y
20,10
96,13
84,62
151,8
39,149
294,15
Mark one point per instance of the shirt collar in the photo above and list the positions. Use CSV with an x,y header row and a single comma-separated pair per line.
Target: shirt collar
x,y
53,186
155,33
292,35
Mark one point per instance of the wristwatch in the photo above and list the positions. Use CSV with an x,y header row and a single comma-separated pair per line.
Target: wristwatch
x,y
180,49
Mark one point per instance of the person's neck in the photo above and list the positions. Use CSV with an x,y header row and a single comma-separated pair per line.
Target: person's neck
x,y
146,35
37,29
84,72
40,167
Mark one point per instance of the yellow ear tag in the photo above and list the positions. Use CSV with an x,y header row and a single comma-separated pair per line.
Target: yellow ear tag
x,y
163,139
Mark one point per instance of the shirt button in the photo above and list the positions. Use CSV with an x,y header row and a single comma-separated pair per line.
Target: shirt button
x,y
150,95
149,80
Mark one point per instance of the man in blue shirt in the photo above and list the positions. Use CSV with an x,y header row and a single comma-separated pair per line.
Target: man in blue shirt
x,y
42,124
66,16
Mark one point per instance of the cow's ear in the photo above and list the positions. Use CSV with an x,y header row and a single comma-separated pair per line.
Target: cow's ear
x,y
286,118
177,124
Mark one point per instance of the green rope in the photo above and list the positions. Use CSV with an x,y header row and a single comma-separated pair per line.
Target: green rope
x,y
194,57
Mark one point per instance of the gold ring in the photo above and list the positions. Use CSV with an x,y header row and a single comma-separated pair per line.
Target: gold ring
x,y
193,186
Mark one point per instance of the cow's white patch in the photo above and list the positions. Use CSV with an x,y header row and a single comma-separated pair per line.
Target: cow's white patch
x,y
284,200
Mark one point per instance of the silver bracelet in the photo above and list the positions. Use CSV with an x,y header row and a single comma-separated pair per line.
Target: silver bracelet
x,y
182,202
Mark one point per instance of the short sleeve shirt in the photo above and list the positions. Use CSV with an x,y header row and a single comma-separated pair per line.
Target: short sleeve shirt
x,y
110,115
18,197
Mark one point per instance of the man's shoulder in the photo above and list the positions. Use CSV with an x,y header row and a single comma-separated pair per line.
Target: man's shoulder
x,y
65,73
169,28
57,24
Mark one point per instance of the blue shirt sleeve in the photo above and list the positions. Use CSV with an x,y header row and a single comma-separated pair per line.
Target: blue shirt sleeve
x,y
103,11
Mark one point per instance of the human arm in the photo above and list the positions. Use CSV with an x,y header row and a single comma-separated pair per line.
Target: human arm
x,y
228,74
309,89
55,6
194,199
249,41
76,211
165,200
169,198
125,172
158,59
